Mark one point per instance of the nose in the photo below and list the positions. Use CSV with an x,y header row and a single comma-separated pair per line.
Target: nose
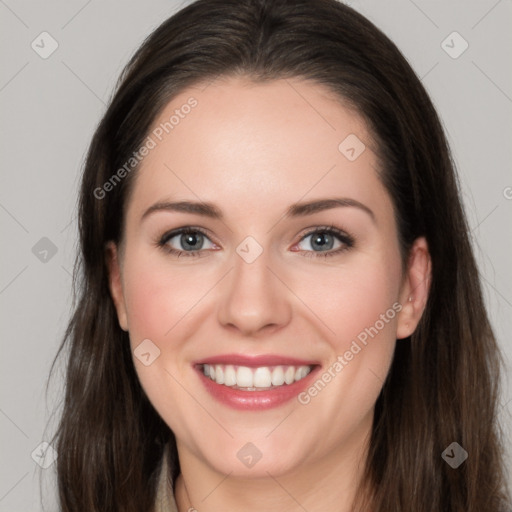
x,y
253,298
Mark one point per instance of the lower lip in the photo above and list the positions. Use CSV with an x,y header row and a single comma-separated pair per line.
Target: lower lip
x,y
256,400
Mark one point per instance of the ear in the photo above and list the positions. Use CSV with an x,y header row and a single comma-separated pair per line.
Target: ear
x,y
415,288
115,283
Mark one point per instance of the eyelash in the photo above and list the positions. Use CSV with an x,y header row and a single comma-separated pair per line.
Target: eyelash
x,y
347,241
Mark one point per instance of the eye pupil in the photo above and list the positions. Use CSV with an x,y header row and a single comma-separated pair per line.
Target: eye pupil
x,y
322,241
190,241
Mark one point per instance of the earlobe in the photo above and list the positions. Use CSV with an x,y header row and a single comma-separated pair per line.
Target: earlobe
x,y
115,283
415,288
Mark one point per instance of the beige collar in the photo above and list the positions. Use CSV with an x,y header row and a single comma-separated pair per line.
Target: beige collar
x,y
165,501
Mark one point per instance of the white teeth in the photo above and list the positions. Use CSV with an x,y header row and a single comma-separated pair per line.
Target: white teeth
x,y
219,374
229,376
301,372
278,376
262,378
252,379
244,378
289,375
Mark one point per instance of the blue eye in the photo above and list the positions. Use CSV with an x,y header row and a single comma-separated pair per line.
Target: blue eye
x,y
191,241
324,241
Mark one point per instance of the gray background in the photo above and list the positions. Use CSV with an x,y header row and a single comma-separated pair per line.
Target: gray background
x,y
51,106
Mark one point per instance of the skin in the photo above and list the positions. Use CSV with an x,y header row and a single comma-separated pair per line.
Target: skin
x,y
253,150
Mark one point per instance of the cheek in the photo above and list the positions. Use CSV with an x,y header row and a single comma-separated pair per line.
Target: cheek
x,y
353,300
361,313
359,309
159,303
158,299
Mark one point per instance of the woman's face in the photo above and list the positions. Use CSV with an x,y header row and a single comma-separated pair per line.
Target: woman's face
x,y
288,287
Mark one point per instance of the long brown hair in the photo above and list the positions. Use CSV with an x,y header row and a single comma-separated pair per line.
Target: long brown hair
x,y
443,383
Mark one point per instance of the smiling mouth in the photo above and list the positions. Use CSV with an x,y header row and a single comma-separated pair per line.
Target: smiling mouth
x,y
261,378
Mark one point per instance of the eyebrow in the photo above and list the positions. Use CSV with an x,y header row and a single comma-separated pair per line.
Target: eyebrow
x,y
295,210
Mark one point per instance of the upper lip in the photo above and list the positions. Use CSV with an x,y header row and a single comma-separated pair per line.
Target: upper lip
x,y
256,360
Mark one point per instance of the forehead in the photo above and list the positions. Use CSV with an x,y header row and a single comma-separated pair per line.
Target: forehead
x,y
250,144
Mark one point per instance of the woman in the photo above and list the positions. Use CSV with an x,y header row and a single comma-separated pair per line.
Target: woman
x,y
279,307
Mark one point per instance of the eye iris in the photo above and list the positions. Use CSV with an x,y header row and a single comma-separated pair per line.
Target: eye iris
x,y
322,241
190,241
